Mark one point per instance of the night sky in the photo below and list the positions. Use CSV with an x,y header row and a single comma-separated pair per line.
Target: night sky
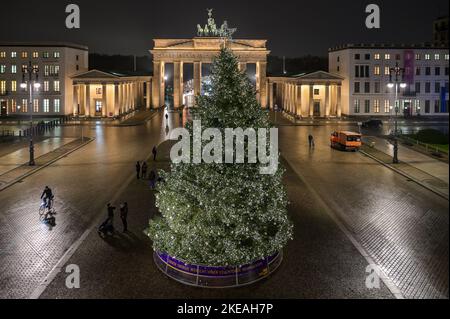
x,y
293,28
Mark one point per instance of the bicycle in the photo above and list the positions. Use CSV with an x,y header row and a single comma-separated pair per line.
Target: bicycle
x,y
46,209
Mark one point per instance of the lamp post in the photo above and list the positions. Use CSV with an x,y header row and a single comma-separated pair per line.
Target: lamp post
x,y
32,85
396,82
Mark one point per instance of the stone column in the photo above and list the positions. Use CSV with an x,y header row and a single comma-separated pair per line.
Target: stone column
x,y
311,100
339,101
87,101
104,100
116,99
197,78
271,105
158,76
148,101
261,71
75,100
327,100
299,100
178,84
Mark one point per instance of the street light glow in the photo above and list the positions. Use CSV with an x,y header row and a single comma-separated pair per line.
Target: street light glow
x,y
390,85
37,85
403,85
23,85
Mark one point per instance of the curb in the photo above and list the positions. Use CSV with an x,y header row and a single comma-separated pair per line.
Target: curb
x,y
440,194
37,169
151,116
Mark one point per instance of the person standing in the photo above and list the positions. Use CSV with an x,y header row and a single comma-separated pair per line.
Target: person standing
x,y
124,216
311,141
152,179
144,170
138,170
154,152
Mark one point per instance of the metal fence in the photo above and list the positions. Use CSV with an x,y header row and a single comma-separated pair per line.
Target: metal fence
x,y
427,147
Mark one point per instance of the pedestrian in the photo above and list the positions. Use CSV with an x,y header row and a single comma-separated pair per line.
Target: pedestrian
x,y
124,216
144,170
111,210
154,152
152,179
311,141
167,116
138,170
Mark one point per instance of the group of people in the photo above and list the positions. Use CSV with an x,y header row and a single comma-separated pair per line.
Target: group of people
x,y
141,173
107,227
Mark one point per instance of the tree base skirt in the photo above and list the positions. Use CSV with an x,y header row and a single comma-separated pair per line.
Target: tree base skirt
x,y
217,277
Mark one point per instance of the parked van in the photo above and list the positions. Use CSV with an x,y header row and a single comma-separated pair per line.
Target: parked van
x,y
346,141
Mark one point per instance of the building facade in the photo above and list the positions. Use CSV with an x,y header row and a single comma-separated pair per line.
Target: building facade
x,y
366,70
56,62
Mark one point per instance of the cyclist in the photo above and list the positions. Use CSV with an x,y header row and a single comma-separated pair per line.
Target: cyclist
x,y
47,196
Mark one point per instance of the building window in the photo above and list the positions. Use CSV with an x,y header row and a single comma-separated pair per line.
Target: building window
x,y
376,56
356,71
77,57
446,70
398,57
316,92
417,70
13,86
377,87
417,90
387,70
45,55
24,105
417,106
2,68
437,71
437,57
2,87
367,56
35,54
427,70
56,54
36,106
437,87
3,54
437,105
338,59
366,87
357,107
338,68
427,87
13,106
46,86
427,106
387,107
57,105
357,56
13,69
56,86
417,56
357,87
427,56
446,57
14,54
46,105
24,55
367,106
387,56
376,106
377,70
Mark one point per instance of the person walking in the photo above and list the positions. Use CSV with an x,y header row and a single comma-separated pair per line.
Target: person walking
x,y
311,141
124,216
154,152
138,170
152,179
144,170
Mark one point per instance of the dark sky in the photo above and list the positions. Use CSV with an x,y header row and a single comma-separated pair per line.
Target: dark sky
x,y
293,28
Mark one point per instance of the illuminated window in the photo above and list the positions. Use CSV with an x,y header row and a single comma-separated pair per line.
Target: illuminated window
x,y
427,57
446,57
46,105
2,87
376,56
2,68
57,105
13,69
387,107
316,92
417,56
24,105
3,54
56,86
35,54
357,108
45,55
14,54
13,86
387,56
56,54
46,70
387,70
24,68
376,106
46,86
367,106
437,57
13,106
24,55
377,70
35,105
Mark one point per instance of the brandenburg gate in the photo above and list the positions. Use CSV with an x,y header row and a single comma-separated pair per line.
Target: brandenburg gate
x,y
204,49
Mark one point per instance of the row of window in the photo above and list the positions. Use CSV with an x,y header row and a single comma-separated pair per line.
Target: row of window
x,y
398,57
363,71
22,106
13,86
417,87
411,107
49,70
34,54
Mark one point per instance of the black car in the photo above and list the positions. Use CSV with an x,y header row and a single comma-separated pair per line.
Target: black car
x,y
373,124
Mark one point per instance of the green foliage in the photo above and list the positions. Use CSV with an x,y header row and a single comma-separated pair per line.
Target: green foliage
x,y
222,214
431,136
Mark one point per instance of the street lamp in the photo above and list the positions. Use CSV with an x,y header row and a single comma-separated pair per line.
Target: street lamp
x,y
32,85
396,82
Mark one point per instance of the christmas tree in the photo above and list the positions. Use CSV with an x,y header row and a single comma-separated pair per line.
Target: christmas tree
x,y
222,214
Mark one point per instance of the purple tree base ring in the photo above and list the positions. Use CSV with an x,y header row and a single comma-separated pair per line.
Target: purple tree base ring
x,y
217,277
